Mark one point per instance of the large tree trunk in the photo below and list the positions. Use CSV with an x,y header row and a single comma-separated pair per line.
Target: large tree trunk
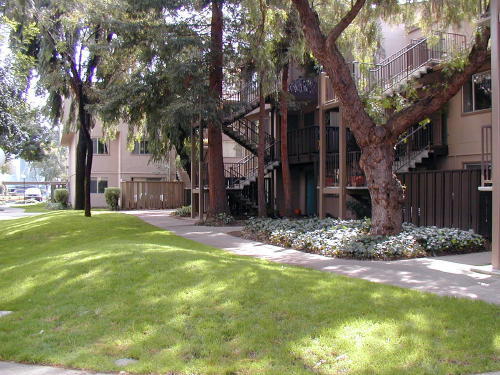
x,y
386,192
261,154
216,181
376,142
85,129
285,167
88,170
81,152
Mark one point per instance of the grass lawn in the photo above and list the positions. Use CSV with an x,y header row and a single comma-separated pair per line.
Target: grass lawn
x,y
88,291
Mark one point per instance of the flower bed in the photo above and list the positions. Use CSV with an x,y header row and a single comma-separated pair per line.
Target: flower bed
x,y
351,239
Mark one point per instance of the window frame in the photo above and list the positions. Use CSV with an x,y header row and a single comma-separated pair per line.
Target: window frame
x,y
97,181
100,142
141,147
473,94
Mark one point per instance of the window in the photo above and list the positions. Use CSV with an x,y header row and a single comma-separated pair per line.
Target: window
x,y
477,165
477,92
98,185
141,148
99,146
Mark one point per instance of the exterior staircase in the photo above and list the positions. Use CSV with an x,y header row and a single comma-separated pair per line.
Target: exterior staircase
x,y
413,61
391,75
244,172
241,177
413,148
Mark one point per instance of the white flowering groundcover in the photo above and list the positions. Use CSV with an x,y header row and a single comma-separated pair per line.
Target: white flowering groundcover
x,y
351,239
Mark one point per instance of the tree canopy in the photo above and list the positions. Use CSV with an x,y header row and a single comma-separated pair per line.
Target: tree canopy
x,y
22,133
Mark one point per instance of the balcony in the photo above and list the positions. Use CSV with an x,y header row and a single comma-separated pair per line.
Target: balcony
x,y
303,144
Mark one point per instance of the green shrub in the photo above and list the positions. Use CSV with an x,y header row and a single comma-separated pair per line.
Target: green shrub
x,y
219,220
183,211
61,196
112,195
351,239
55,206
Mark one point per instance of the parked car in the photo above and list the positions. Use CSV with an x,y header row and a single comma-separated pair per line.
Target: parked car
x,y
34,193
18,192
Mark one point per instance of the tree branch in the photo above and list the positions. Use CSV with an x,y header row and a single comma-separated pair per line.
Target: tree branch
x,y
95,59
433,99
340,75
344,22
75,77
311,26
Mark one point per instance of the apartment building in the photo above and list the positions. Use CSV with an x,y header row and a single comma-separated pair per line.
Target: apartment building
x,y
324,156
116,161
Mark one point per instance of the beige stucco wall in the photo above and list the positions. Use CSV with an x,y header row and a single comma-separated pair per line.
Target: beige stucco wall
x,y
463,134
120,164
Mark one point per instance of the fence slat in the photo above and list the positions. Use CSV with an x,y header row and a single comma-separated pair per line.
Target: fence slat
x,y
152,195
446,199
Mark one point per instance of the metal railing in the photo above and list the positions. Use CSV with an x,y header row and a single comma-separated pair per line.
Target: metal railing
x,y
411,145
400,66
355,175
246,168
246,129
237,103
306,140
332,172
403,64
303,141
248,93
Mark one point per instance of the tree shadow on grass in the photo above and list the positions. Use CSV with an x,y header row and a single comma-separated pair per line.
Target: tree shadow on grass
x,y
115,287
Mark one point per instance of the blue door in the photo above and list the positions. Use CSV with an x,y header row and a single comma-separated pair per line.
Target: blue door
x,y
310,194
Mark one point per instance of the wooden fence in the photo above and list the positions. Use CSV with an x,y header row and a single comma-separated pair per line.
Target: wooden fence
x,y
151,195
446,199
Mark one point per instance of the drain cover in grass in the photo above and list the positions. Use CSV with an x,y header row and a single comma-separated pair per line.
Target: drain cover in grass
x,y
5,313
125,361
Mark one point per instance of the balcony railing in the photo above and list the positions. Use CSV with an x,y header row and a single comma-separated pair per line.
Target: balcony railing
x,y
355,175
332,173
305,141
402,65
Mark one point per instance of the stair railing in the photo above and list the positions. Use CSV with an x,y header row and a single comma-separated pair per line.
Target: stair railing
x,y
237,103
237,173
248,93
249,131
246,129
418,53
411,145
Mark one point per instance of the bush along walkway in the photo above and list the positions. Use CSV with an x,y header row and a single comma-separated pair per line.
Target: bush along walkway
x,y
446,275
351,238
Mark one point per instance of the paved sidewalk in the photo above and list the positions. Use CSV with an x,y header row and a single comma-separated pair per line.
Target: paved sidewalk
x,y
448,275
10,368
9,213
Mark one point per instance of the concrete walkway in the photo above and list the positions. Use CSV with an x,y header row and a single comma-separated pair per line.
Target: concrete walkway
x,y
9,213
448,275
10,368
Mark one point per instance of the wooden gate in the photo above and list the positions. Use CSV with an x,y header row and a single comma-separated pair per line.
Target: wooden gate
x,y
446,199
151,195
